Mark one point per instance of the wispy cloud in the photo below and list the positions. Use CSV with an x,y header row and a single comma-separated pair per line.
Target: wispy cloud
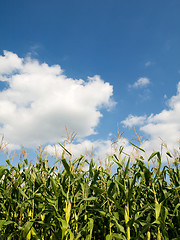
x,y
34,50
140,83
41,100
148,63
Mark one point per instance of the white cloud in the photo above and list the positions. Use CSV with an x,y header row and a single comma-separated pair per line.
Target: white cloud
x,y
41,100
140,83
9,63
98,150
131,121
164,125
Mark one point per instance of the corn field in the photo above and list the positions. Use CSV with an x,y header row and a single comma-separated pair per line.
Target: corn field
x,y
136,202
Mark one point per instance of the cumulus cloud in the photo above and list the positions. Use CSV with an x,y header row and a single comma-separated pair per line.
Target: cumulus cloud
x,y
164,126
9,63
41,100
140,83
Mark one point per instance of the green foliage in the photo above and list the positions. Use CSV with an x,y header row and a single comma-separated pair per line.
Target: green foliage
x,y
136,202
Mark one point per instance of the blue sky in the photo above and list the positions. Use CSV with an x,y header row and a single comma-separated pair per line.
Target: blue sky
x,y
127,54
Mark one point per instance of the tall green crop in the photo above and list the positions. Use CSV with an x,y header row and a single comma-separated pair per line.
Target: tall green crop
x,y
136,202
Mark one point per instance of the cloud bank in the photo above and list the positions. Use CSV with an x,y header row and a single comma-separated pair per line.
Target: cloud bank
x,y
99,149
40,100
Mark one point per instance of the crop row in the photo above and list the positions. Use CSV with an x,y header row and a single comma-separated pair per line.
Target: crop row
x,y
136,202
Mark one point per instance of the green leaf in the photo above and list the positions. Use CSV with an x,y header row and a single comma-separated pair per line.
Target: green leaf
x,y
2,170
157,210
168,153
8,162
108,237
65,149
118,236
27,228
64,227
176,208
121,149
127,168
115,159
23,193
137,147
78,160
54,187
2,222
154,154
90,199
119,226
66,166
6,223
90,226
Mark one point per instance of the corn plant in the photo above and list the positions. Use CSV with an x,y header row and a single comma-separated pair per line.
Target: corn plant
x,y
135,202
